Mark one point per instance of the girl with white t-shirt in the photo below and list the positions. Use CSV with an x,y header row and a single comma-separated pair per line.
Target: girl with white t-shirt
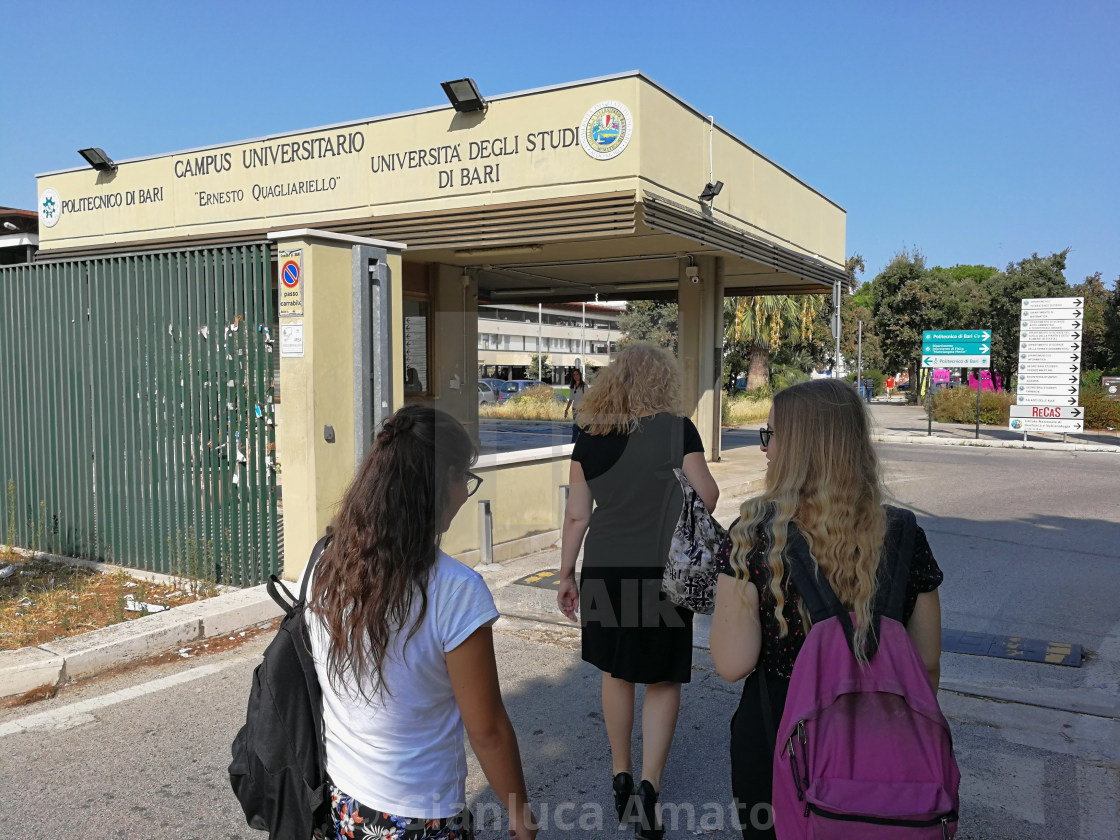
x,y
401,638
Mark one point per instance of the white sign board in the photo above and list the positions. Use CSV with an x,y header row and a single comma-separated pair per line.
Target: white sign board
x,y
291,340
1049,379
1052,303
1043,424
1047,334
1046,399
1049,367
1065,356
1067,326
1053,412
1025,392
1045,315
1067,346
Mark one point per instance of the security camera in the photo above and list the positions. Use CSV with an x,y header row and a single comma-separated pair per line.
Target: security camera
x,y
692,272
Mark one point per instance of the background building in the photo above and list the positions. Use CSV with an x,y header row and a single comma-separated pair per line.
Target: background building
x,y
570,335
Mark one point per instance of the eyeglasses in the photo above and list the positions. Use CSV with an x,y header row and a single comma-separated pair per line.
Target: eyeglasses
x,y
766,433
473,483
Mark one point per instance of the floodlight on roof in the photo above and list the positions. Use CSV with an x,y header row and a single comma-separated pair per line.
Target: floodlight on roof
x,y
711,190
96,158
464,96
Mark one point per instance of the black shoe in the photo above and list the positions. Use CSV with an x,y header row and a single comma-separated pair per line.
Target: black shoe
x,y
623,787
649,825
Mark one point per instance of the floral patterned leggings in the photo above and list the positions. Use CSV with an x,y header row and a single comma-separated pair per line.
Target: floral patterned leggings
x,y
354,821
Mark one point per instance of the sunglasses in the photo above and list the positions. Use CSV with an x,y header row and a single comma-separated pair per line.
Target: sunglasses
x,y
766,433
473,483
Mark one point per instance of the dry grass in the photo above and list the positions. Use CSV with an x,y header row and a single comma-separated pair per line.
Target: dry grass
x,y
539,403
742,410
41,600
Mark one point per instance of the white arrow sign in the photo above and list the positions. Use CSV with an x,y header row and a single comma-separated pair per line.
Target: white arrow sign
x,y
1032,356
1050,346
1049,335
1052,303
1044,315
1044,424
1046,390
1049,379
1048,367
1046,399
1054,412
1053,326
930,361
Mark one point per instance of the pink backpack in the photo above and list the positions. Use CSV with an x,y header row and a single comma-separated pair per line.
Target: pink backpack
x,y
862,751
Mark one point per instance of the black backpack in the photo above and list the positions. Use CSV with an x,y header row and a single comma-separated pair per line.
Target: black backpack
x,y
279,767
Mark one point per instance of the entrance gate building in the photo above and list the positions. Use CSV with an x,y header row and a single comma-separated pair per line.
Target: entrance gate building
x,y
609,187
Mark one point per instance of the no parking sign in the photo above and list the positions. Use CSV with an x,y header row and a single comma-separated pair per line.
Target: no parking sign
x,y
291,283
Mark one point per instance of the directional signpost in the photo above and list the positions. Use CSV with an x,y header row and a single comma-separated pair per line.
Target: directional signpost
x,y
957,349
1049,367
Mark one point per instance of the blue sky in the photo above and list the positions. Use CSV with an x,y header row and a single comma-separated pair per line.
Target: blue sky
x,y
977,132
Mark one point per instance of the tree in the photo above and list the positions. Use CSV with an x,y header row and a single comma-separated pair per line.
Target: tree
x,y
654,321
1095,351
1112,327
539,360
760,325
898,305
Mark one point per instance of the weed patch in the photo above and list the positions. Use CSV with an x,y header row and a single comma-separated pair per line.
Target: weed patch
x,y
42,600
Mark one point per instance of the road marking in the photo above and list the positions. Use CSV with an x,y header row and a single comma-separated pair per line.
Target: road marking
x,y
67,717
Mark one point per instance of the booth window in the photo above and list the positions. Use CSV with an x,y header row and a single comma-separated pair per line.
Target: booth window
x,y
417,322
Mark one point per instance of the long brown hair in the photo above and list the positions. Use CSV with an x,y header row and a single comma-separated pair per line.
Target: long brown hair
x,y
385,540
824,476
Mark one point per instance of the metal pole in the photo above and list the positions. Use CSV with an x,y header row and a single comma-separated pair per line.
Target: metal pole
x,y
978,403
929,393
540,361
583,344
859,361
836,310
486,533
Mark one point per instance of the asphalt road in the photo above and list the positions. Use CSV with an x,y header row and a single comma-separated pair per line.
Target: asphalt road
x,y
1028,541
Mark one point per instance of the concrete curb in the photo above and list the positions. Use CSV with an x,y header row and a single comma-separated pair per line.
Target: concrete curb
x,y
936,440
90,653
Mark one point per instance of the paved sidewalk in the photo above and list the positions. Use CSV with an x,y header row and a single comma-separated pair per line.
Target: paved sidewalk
x,y
898,418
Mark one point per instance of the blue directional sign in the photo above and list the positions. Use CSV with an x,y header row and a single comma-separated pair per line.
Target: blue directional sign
x,y
956,348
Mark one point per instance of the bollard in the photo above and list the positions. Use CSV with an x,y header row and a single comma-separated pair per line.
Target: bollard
x,y
563,503
486,533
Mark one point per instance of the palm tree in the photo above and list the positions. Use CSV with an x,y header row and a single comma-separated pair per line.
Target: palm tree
x,y
764,322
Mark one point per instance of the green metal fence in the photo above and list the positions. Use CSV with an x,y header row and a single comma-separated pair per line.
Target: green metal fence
x,y
136,411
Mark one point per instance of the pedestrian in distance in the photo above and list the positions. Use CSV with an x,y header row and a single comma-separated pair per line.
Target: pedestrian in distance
x,y
403,648
823,476
632,436
577,389
889,385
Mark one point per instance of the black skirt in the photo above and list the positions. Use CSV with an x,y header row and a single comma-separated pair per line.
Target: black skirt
x,y
630,630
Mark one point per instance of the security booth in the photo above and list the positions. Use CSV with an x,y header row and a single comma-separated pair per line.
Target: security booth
x,y
383,234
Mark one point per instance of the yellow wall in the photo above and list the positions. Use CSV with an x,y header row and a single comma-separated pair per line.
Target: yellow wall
x,y
242,186
318,390
524,499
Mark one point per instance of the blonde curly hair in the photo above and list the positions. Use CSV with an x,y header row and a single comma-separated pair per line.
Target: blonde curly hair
x,y
824,476
642,380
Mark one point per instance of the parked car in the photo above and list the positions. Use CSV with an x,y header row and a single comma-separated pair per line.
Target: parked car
x,y
516,386
495,384
486,394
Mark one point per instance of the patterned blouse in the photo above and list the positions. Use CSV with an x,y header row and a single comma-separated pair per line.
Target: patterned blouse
x,y
778,654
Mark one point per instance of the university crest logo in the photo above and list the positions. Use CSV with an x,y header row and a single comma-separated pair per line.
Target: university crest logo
x,y
606,130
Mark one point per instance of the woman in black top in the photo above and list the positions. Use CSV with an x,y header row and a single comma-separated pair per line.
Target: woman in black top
x,y
822,473
632,438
